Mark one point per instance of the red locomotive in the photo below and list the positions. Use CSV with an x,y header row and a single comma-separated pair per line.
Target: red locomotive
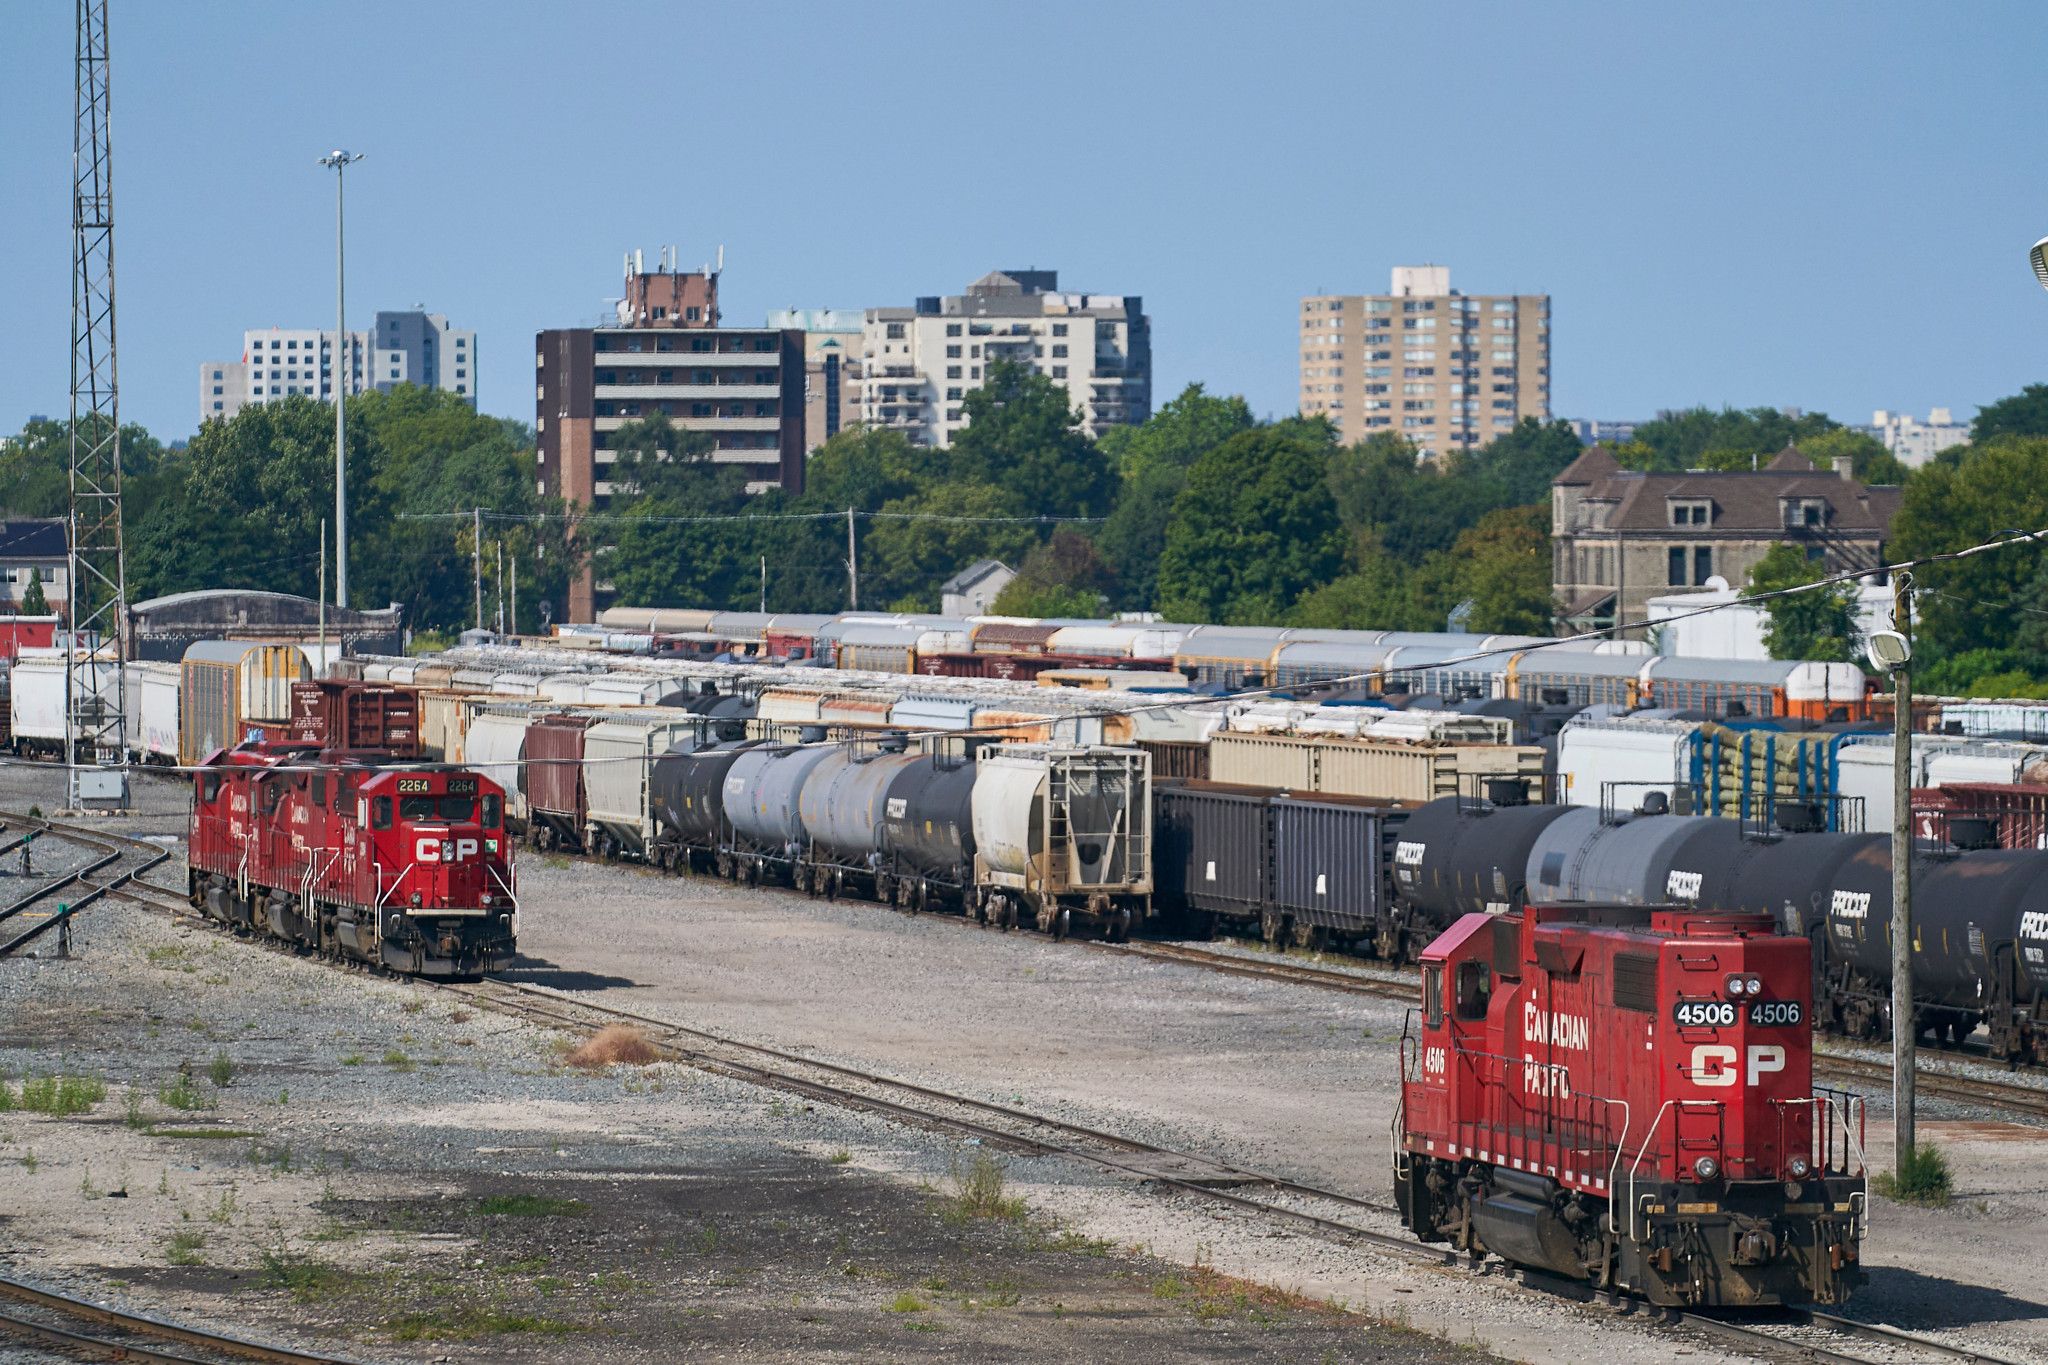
x,y
356,855
1624,1095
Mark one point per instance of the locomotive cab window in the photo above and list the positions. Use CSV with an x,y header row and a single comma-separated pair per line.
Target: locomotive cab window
x,y
1433,994
418,808
493,811
380,813
209,788
457,810
320,790
1475,989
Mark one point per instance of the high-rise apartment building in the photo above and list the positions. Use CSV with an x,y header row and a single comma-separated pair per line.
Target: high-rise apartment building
x,y
921,362
1913,441
411,347
832,369
665,354
1449,371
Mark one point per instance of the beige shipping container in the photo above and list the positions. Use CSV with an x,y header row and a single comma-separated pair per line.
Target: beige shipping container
x,y
1383,771
225,684
1279,761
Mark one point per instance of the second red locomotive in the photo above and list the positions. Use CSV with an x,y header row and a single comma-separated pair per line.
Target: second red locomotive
x,y
362,856
1624,1095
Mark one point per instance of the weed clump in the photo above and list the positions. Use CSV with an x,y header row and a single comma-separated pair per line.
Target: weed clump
x,y
1923,1178
529,1206
222,1071
621,1043
183,1093
978,1193
61,1096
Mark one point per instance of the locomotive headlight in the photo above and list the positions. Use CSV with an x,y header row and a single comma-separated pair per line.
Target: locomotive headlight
x,y
447,851
1754,985
1736,985
487,900
415,898
1799,1168
1706,1168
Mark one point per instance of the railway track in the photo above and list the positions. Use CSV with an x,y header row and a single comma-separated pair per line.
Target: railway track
x,y
1328,1214
74,1326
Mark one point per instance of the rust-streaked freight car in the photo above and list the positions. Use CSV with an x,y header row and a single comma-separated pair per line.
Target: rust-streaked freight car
x,y
338,714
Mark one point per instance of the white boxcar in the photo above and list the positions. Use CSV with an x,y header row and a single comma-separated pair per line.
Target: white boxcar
x,y
150,699
1625,760
35,703
618,760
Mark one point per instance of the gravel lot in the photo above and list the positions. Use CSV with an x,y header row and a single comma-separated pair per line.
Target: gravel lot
x,y
1267,1076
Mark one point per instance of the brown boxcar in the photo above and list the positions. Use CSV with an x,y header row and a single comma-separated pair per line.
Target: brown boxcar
x,y
555,798
338,714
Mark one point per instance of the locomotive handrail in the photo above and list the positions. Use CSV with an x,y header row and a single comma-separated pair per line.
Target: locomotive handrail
x,y
1649,1136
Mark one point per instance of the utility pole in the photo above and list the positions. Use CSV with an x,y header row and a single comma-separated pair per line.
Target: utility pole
x,y
340,162
476,556
501,586
1905,1028
515,592
324,660
852,566
764,585
96,595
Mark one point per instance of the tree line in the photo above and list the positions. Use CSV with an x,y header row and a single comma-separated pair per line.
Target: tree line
x,y
1202,513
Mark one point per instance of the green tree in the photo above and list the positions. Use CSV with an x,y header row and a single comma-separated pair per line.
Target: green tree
x,y
859,467
1870,461
432,456
1023,438
918,542
666,547
1390,498
2023,414
1502,567
1378,594
35,470
1820,624
1152,462
1254,529
33,603
1061,576
1701,438
1967,498
1521,461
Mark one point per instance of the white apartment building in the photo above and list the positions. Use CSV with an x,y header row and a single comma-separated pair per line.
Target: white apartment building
x,y
1913,441
920,363
411,347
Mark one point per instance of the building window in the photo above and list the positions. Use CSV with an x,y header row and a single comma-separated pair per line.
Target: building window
x,y
895,331
1059,372
952,330
953,352
1059,351
1674,567
952,372
952,395
1702,565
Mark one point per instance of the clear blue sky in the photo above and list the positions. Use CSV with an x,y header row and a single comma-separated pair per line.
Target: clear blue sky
x,y
1825,205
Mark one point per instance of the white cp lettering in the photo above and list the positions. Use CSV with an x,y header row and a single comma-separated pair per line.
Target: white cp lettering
x,y
1714,1064
427,849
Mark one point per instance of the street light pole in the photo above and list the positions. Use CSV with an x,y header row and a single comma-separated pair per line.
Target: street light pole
x,y
340,161
1905,1027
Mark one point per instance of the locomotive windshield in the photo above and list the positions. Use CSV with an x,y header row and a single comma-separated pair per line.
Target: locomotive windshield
x,y
456,810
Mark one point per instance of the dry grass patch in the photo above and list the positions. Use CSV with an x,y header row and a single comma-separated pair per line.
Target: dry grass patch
x,y
614,1043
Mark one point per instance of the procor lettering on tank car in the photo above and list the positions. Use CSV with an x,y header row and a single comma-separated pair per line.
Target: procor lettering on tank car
x,y
1980,915
1623,1095
355,856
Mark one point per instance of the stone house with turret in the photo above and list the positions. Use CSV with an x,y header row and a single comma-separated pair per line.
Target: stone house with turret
x,y
1620,537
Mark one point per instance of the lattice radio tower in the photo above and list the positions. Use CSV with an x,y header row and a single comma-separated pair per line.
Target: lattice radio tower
x,y
94,721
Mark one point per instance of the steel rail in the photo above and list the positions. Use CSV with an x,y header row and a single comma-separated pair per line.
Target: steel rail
x,y
142,1324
